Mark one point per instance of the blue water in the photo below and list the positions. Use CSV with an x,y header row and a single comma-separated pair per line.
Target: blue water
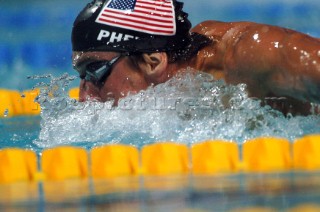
x,y
35,40
19,132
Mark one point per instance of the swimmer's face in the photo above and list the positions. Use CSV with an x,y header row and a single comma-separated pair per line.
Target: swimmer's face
x,y
125,76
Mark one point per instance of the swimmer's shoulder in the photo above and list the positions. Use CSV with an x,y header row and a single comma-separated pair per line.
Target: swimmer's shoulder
x,y
223,34
216,29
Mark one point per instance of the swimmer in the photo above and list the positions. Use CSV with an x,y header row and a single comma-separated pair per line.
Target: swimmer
x,y
125,46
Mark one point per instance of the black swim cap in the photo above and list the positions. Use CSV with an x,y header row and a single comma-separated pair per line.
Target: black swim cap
x,y
132,26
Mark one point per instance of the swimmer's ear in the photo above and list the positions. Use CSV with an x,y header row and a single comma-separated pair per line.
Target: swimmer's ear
x,y
154,65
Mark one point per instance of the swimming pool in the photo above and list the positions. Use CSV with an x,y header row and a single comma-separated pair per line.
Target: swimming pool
x,y
29,48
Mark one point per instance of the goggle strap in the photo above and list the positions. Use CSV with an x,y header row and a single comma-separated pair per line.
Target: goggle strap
x,y
103,71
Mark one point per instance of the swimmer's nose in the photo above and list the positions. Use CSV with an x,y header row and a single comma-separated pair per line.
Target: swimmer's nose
x,y
88,91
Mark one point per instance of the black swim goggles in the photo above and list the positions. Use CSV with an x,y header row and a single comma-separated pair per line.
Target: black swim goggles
x,y
97,72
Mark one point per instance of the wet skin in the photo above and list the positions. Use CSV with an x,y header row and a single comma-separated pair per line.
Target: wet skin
x,y
123,79
272,61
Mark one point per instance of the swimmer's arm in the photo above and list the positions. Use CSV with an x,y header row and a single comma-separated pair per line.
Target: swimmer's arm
x,y
269,59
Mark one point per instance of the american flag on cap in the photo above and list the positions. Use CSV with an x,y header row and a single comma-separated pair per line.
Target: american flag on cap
x,y
154,17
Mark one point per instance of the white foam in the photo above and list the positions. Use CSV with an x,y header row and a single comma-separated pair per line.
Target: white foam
x,y
188,108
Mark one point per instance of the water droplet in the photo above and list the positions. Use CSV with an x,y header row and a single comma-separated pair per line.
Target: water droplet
x,y
6,113
256,38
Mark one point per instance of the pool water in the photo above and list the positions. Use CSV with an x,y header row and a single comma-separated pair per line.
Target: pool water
x,y
196,112
254,192
19,132
181,110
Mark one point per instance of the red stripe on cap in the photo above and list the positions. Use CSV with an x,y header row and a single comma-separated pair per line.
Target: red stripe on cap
x,y
147,18
136,21
141,28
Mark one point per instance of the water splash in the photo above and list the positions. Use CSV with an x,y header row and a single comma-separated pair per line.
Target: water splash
x,y
190,107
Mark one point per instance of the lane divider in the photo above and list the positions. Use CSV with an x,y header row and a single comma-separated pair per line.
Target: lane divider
x,y
30,107
164,158
265,154
64,162
306,152
17,165
114,160
9,105
215,157
15,103
74,93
